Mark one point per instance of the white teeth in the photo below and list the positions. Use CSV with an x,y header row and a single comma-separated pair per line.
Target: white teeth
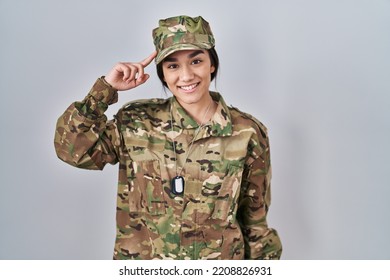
x,y
189,87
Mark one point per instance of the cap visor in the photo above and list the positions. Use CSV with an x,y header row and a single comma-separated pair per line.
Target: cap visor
x,y
172,49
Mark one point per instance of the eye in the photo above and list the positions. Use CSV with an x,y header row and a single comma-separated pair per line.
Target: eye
x,y
172,66
196,61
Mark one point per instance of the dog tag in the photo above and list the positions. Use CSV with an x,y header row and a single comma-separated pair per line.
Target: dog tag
x,y
177,185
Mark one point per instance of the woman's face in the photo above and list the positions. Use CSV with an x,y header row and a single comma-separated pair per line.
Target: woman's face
x,y
188,76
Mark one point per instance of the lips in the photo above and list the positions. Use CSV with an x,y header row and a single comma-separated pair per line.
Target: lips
x,y
189,88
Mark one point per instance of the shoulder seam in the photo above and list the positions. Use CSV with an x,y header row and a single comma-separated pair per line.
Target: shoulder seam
x,y
251,117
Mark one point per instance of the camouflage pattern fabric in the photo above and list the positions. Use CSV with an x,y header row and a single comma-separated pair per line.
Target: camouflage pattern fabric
x,y
181,33
222,213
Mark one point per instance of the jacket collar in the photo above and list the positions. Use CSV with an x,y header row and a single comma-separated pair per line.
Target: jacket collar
x,y
220,123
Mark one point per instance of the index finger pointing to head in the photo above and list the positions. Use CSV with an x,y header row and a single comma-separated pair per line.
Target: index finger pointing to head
x,y
149,59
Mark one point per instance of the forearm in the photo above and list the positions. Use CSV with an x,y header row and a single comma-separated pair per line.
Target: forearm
x,y
81,137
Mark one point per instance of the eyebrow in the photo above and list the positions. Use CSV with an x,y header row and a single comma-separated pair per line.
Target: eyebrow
x,y
191,55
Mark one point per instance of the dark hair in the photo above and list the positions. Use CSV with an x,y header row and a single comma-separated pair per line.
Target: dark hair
x,y
213,59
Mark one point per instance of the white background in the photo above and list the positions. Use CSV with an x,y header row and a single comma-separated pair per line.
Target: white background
x,y
317,73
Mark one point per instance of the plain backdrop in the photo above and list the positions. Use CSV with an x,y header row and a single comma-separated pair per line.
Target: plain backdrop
x,y
316,73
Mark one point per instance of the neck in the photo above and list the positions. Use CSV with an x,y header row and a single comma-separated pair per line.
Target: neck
x,y
201,113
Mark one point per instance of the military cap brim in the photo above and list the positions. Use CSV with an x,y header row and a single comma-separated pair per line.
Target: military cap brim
x,y
179,47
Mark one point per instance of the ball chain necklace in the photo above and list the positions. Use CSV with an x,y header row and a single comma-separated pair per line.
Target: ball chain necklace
x,y
177,183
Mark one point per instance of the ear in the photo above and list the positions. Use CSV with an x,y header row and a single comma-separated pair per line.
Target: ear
x,y
212,69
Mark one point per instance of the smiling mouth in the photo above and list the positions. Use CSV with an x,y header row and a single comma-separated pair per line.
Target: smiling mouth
x,y
189,87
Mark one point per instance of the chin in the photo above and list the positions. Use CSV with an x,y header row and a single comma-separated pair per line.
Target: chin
x,y
188,100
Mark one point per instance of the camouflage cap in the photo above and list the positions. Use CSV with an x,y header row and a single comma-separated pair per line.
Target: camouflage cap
x,y
181,33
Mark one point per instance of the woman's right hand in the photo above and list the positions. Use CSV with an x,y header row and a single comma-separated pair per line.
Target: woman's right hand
x,y
128,75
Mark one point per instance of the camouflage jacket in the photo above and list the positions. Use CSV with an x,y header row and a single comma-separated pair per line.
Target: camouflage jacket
x,y
222,213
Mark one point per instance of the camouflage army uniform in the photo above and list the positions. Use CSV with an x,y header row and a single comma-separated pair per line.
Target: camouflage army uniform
x,y
222,213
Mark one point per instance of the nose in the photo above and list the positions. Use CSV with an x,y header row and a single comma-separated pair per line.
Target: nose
x,y
186,74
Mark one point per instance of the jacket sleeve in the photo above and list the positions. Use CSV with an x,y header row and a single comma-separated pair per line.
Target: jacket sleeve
x,y
83,137
261,242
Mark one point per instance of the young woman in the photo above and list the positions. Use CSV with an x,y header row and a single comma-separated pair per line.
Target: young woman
x,y
194,174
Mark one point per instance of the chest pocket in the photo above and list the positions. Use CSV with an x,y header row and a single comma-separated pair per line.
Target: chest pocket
x,y
214,197
144,178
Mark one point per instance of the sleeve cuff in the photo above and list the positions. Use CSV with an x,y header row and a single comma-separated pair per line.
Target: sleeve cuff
x,y
103,92
96,102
